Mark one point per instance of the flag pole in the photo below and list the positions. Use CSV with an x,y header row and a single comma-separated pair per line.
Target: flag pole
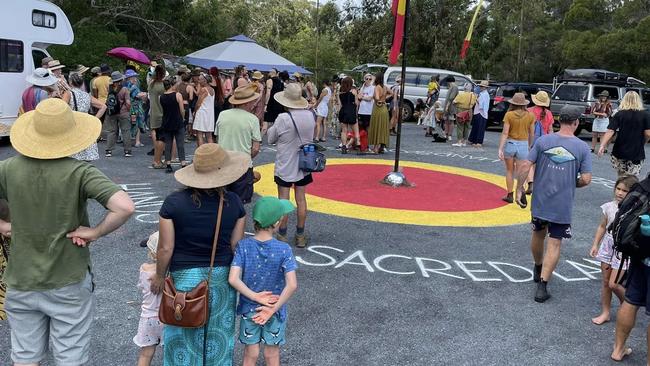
x,y
398,140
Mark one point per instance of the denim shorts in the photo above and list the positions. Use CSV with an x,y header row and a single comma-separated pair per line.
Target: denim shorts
x,y
555,230
271,333
516,149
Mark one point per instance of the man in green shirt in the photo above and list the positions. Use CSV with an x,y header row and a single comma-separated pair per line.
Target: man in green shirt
x,y
48,276
239,130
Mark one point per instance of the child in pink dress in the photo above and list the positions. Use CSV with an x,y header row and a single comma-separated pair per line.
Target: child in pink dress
x,y
149,329
602,250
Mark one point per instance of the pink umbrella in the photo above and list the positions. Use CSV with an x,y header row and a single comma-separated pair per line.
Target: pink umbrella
x,y
129,54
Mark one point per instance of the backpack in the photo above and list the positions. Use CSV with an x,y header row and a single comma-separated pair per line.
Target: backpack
x,y
628,240
113,103
539,130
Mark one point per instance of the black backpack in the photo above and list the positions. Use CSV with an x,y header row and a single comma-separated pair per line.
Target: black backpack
x,y
112,103
628,240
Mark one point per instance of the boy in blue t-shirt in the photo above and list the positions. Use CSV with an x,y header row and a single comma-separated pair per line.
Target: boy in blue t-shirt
x,y
264,272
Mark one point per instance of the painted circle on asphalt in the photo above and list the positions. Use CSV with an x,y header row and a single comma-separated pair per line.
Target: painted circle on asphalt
x,y
442,195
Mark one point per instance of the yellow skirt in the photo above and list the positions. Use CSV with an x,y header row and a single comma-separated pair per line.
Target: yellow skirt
x,y
379,126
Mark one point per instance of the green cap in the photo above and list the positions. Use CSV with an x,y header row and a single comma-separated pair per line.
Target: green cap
x,y
269,210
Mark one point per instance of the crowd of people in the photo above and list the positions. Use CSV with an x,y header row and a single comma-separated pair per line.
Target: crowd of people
x,y
201,236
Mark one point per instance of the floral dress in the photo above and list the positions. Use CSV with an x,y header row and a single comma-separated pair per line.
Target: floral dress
x,y
80,102
137,109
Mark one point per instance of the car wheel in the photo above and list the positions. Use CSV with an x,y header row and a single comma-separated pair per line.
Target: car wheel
x,y
407,111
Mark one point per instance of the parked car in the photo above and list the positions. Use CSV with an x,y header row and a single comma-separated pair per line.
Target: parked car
x,y
499,102
415,85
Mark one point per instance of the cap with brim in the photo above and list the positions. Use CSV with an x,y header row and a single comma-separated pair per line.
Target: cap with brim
x,y
518,99
41,77
244,94
269,210
569,114
213,167
55,65
541,99
53,131
291,97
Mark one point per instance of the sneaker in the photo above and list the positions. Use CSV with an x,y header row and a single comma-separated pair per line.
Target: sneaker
x,y
127,154
281,237
108,153
542,294
537,273
458,144
300,241
139,144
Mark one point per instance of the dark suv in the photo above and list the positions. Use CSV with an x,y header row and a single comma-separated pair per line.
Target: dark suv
x,y
499,101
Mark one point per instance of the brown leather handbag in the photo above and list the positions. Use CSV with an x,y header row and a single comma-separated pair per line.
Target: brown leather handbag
x,y
189,309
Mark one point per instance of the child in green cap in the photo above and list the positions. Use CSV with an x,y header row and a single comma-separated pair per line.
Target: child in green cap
x,y
263,271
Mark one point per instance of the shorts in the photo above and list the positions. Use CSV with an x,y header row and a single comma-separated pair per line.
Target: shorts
x,y
243,187
271,333
600,125
607,255
63,315
149,332
636,288
364,121
555,230
160,135
301,183
516,149
627,167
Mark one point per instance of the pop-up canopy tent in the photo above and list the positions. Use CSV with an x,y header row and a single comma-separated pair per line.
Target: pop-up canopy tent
x,y
241,50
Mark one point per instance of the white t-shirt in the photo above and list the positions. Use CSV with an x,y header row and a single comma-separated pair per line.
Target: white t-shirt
x,y
365,107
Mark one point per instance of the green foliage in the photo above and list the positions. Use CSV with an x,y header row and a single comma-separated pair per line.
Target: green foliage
x,y
89,48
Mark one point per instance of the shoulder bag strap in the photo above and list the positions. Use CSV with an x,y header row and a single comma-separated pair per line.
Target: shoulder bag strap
x,y
216,235
296,127
74,100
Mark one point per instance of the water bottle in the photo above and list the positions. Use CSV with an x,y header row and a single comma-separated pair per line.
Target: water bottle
x,y
312,149
305,148
645,225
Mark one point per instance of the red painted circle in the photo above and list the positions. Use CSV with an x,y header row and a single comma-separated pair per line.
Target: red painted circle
x,y
434,191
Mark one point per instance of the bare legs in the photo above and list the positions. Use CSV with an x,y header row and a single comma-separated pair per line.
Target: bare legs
x,y
321,129
625,319
271,355
204,137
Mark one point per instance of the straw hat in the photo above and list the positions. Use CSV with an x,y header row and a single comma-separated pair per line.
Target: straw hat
x,y
54,131
81,69
244,94
518,99
541,99
55,65
257,75
297,75
46,61
41,77
484,84
291,97
213,167
183,69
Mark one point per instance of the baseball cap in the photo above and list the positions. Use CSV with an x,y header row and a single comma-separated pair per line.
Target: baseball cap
x,y
269,210
569,113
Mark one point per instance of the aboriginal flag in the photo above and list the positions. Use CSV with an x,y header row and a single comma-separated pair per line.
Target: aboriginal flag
x,y
468,37
399,12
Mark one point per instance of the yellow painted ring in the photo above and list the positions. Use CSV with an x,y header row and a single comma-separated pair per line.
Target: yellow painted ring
x,y
502,216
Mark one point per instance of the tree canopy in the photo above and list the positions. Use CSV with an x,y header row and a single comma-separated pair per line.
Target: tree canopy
x,y
556,34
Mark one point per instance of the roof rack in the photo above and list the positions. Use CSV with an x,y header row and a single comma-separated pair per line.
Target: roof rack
x,y
594,76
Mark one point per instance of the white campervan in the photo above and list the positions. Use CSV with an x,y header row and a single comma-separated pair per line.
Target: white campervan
x,y
27,28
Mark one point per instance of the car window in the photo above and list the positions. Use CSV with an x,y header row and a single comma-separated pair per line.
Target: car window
x,y
38,56
506,91
645,95
574,93
613,91
423,80
11,56
461,81
411,78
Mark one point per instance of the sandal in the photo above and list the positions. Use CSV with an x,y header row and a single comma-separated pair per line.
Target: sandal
x,y
157,166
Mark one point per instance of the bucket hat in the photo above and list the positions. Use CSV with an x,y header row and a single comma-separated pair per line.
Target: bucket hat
x,y
297,75
484,84
291,97
53,131
129,74
541,99
257,75
55,65
41,77
518,99
116,76
104,69
604,93
244,94
213,167
95,70
268,210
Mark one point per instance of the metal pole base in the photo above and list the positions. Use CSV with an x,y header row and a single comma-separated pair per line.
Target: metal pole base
x,y
397,179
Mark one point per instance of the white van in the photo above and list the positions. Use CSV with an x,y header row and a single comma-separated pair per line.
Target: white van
x,y
27,28
415,85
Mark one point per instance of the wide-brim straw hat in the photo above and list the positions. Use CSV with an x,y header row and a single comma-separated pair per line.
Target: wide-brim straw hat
x,y
257,75
213,167
55,65
291,97
41,77
484,84
518,99
53,131
244,94
541,99
81,69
